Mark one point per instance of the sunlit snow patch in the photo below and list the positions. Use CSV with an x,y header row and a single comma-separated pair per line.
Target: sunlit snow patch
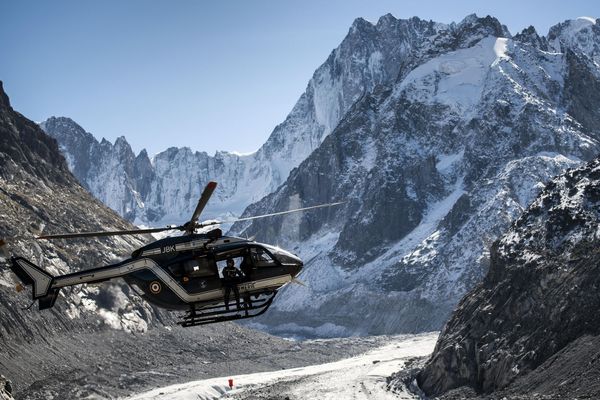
x,y
360,377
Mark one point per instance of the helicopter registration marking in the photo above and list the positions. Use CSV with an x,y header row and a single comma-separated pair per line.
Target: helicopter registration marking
x,y
168,249
247,286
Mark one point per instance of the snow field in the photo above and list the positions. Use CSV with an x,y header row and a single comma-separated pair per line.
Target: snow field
x,y
361,377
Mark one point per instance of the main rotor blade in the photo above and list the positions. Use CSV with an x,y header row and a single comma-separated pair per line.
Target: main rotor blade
x,y
208,191
279,213
108,233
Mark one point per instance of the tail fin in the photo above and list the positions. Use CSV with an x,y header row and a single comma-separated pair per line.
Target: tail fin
x,y
31,274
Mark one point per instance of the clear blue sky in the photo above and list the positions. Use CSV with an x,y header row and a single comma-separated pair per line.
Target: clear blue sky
x,y
207,75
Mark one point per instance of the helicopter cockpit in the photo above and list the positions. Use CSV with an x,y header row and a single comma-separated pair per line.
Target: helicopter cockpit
x,y
283,256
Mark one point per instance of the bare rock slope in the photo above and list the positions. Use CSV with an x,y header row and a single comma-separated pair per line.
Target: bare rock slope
x,y
532,326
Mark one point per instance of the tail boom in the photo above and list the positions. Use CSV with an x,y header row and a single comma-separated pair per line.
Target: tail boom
x,y
46,286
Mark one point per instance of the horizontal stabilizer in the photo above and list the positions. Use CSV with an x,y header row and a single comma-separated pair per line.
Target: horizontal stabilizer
x,y
31,274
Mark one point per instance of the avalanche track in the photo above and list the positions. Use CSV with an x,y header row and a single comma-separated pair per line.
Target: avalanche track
x,y
360,377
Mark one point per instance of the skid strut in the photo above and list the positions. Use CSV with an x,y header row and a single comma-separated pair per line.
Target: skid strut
x,y
214,314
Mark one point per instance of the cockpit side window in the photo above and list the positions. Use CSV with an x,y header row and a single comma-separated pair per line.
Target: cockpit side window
x,y
194,267
201,267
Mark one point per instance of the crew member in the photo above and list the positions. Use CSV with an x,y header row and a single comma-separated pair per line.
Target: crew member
x,y
246,268
231,277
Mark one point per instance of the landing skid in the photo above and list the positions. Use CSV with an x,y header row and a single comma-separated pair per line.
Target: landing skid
x,y
214,314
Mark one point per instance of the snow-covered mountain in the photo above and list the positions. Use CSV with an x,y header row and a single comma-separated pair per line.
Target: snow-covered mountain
x,y
165,189
433,167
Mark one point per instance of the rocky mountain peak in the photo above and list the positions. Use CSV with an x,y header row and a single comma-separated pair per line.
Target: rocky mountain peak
x,y
529,35
473,28
64,125
360,24
4,100
123,148
386,20
121,142
581,35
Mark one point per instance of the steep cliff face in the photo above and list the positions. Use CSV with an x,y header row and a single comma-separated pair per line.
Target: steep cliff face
x,y
537,307
433,168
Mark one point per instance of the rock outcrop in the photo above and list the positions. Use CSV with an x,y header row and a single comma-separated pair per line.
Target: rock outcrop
x,y
536,309
5,389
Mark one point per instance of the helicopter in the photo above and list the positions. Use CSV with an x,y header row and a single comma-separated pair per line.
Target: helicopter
x,y
181,272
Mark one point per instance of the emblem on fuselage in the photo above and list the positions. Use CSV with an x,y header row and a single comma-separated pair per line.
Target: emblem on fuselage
x,y
155,287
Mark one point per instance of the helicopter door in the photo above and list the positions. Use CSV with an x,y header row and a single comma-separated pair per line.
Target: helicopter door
x,y
200,274
241,259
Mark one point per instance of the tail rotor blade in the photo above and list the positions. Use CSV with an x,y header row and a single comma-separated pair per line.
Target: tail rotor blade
x,y
299,282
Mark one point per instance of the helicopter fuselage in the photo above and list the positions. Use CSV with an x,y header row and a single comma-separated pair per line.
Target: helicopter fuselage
x,y
180,272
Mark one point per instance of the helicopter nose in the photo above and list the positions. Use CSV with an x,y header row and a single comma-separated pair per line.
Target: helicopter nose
x,y
296,268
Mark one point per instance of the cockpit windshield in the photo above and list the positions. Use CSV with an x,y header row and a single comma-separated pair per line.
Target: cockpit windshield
x,y
283,256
